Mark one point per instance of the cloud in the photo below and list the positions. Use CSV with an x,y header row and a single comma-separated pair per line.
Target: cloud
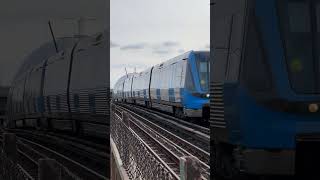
x,y
170,44
134,46
158,48
113,44
165,47
161,51
181,51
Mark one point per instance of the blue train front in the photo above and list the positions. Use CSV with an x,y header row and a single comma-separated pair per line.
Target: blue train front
x,y
265,84
179,86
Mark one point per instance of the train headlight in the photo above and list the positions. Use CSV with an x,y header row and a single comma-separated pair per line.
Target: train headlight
x,y
207,95
313,108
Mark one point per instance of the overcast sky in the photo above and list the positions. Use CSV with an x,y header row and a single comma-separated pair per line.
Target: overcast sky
x,y
147,32
24,27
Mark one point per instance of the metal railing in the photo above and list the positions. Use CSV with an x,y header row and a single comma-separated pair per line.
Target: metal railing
x,y
142,161
138,160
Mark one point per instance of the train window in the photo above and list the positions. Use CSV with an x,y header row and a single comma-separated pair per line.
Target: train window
x,y
202,60
298,28
189,80
299,17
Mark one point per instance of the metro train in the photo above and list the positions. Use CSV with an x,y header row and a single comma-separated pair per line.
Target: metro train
x,y
265,90
179,86
63,85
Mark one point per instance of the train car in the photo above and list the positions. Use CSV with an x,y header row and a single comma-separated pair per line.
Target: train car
x,y
64,90
265,87
179,86
127,88
118,89
140,88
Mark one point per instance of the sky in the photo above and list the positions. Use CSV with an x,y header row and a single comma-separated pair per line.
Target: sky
x,y
144,33
23,27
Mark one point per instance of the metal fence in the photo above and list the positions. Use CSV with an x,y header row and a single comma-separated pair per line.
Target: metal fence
x,y
137,158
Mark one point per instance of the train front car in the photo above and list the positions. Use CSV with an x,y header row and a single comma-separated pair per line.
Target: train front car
x,y
265,85
180,85
196,92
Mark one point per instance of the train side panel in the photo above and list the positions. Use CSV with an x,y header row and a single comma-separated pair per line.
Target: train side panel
x,y
17,103
167,84
89,88
140,87
33,96
55,91
127,88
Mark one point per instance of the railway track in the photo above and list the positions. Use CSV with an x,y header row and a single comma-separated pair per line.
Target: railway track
x,y
193,133
79,159
81,146
29,166
77,168
171,119
190,133
166,144
27,159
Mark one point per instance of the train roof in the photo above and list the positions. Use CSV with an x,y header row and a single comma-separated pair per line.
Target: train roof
x,y
185,55
43,52
123,78
170,61
47,50
175,59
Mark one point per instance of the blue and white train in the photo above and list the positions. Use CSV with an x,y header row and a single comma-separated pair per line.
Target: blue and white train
x,y
179,86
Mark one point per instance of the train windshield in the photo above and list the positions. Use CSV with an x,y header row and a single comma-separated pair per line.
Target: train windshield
x,y
300,28
202,60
